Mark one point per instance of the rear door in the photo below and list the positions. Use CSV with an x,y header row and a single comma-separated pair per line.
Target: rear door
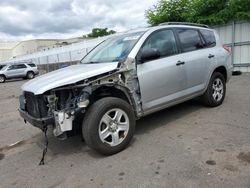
x,y
21,70
212,50
163,79
195,55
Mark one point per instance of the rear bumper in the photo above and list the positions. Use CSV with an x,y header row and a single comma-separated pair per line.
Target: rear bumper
x,y
40,123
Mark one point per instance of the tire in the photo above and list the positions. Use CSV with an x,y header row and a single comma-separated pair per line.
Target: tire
x,y
30,75
2,79
216,91
100,130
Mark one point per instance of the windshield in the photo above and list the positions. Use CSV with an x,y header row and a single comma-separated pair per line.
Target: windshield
x,y
114,49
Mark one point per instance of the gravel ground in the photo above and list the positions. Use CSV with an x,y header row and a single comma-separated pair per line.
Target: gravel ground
x,y
188,145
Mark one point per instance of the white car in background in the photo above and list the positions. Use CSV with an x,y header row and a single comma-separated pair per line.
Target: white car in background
x,y
22,70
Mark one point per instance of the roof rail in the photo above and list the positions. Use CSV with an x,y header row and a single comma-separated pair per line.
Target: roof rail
x,y
184,23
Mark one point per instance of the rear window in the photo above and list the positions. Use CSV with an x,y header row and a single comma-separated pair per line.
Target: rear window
x,y
190,39
32,65
209,37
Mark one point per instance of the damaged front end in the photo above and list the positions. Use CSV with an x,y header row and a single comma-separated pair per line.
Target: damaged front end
x,y
67,106
56,108
59,109
64,107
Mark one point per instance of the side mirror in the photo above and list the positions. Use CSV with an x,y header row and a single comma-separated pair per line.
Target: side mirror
x,y
149,54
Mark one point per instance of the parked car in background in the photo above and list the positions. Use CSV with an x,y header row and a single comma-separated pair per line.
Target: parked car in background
x,y
22,70
126,77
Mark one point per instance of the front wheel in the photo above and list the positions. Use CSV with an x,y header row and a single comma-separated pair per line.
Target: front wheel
x,y
216,91
2,79
108,125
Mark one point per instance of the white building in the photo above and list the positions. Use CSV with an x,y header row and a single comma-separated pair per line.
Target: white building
x,y
10,50
6,50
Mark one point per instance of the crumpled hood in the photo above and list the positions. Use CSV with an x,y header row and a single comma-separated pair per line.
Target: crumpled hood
x,y
65,76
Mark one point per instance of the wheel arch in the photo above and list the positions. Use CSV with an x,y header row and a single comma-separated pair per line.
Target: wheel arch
x,y
222,70
3,75
30,71
111,91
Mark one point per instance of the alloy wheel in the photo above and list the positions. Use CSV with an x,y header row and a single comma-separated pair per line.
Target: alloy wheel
x,y
218,89
1,79
114,127
30,75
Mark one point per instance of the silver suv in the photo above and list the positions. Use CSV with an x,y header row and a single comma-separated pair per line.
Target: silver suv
x,y
126,77
23,70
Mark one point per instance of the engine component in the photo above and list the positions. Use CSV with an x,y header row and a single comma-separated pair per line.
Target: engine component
x,y
63,122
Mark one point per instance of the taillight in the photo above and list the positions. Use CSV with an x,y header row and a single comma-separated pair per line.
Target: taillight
x,y
227,48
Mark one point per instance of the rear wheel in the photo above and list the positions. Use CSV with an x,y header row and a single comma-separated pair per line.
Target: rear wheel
x,y
215,93
2,79
108,125
30,75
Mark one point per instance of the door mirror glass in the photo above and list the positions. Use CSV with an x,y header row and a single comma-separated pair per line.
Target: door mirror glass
x,y
150,54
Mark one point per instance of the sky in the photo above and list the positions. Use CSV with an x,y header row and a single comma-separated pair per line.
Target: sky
x,y
29,19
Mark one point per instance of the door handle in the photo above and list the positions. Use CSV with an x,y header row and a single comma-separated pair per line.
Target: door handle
x,y
180,63
210,56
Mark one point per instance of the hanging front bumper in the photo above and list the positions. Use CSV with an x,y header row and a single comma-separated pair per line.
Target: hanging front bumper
x,y
40,123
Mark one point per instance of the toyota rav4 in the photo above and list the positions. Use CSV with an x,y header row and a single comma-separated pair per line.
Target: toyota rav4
x,y
126,77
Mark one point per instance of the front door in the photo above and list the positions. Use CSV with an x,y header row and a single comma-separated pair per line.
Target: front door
x,y
162,80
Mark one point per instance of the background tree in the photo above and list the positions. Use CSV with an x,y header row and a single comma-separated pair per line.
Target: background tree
x,y
240,9
211,12
100,32
168,10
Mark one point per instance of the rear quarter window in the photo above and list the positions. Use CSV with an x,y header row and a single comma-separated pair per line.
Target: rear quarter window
x,y
32,65
208,37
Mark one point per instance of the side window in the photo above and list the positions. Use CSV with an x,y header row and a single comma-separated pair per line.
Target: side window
x,y
209,37
164,41
190,39
12,67
21,66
